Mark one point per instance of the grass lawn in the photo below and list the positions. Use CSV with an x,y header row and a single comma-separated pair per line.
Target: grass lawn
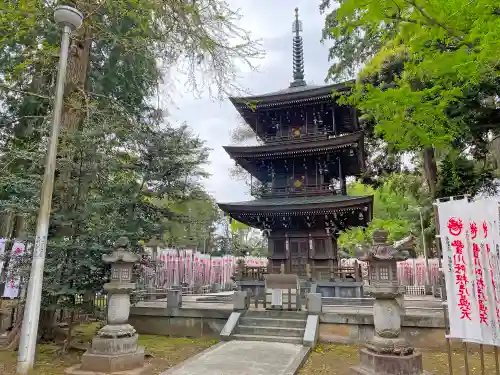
x,y
337,360
165,351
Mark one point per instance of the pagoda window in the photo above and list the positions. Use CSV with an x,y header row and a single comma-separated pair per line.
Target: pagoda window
x,y
320,247
279,247
384,273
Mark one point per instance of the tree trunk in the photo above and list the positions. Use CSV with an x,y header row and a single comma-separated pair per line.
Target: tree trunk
x,y
47,325
430,170
74,113
495,150
69,333
6,224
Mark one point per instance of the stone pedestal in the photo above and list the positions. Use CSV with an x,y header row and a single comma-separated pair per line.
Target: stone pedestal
x,y
174,298
372,363
314,303
114,350
387,353
241,301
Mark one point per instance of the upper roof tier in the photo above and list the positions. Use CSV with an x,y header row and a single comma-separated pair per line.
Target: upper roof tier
x,y
293,95
297,94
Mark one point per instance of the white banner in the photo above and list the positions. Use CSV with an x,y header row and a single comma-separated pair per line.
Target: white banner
x,y
484,235
470,240
458,271
13,280
3,242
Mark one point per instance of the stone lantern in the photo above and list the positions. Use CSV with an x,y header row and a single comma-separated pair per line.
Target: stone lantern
x,y
115,349
387,353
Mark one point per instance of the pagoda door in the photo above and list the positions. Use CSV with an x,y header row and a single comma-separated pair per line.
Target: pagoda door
x,y
299,253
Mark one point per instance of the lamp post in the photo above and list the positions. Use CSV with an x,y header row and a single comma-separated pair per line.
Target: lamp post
x,y
69,19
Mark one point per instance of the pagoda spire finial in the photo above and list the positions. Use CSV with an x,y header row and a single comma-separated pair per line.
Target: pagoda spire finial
x,y
298,53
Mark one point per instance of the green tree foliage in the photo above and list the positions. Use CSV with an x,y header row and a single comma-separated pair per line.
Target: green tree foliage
x,y
196,222
398,202
118,156
429,80
239,239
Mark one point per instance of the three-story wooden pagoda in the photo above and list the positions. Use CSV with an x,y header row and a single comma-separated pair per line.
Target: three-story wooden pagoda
x,y
309,145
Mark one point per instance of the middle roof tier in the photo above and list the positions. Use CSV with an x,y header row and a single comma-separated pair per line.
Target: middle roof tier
x,y
262,161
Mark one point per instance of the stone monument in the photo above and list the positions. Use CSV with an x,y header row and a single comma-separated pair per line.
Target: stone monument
x,y
114,349
387,353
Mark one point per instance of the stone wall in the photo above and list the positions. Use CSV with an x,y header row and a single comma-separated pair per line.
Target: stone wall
x,y
423,330
178,322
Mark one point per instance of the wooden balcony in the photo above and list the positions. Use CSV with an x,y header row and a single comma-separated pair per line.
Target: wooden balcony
x,y
319,189
325,273
253,273
311,135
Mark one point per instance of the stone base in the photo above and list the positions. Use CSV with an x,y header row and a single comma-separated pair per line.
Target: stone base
x,y
390,346
114,346
77,370
384,364
116,331
111,363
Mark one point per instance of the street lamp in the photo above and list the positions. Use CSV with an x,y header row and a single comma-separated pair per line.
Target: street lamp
x,y
69,19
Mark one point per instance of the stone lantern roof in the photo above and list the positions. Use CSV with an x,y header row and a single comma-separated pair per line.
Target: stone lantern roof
x,y
121,254
382,250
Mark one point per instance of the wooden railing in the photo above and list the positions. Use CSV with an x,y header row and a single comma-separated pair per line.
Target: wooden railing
x,y
337,273
254,273
306,136
304,189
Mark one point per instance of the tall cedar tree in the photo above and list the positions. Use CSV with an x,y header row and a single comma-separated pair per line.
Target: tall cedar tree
x,y
118,156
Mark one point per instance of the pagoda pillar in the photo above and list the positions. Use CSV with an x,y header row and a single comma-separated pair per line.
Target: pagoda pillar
x,y
287,253
334,125
311,256
343,186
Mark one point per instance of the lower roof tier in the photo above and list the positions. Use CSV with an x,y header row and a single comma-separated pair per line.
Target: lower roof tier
x,y
328,211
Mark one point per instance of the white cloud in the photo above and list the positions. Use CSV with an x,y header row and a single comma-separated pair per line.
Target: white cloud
x,y
213,121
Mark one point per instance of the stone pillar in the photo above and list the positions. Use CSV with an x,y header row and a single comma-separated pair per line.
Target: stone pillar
x,y
388,352
314,303
174,298
241,301
115,348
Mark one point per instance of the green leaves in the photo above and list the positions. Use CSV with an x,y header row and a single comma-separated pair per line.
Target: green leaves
x,y
421,60
122,169
397,204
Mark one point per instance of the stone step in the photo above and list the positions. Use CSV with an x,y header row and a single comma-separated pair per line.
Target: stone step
x,y
272,331
273,322
359,370
277,314
289,340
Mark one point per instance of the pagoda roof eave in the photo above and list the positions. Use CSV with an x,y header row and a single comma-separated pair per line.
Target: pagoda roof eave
x,y
290,95
295,147
299,205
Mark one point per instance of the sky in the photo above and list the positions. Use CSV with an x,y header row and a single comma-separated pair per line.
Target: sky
x,y
213,120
